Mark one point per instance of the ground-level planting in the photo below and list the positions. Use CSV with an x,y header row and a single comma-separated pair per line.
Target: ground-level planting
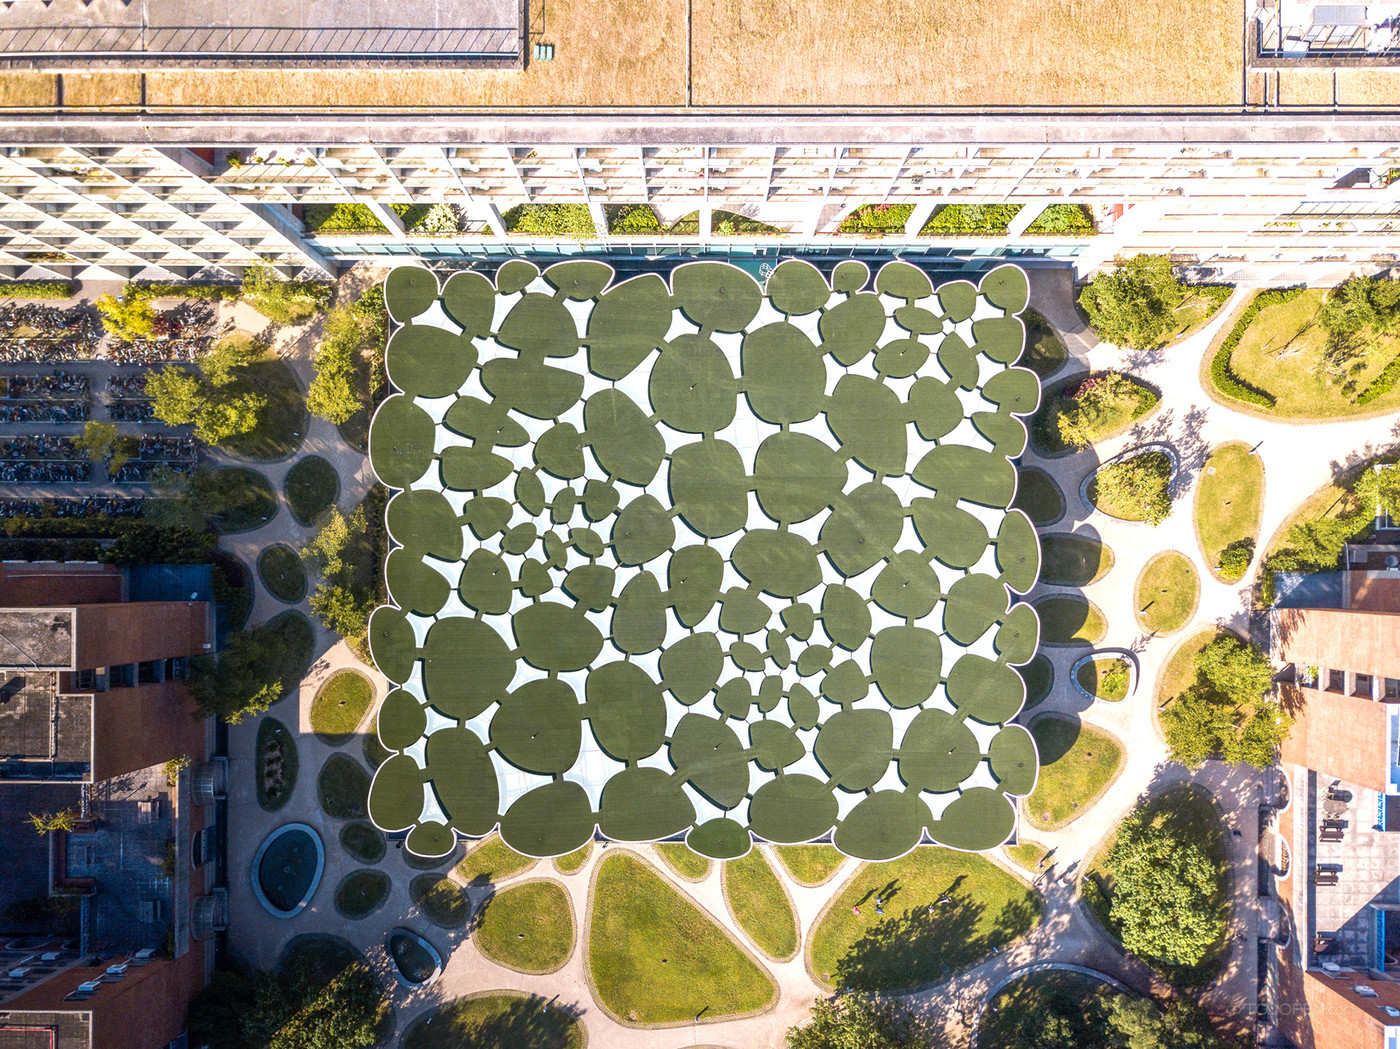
x,y
574,861
1073,560
656,958
1039,496
639,479
1228,502
1166,593
311,487
809,864
1079,1006
340,705
1083,409
1107,679
918,939
1045,350
760,905
1028,855
440,900
1134,488
361,893
1070,620
342,787
281,572
1039,676
683,860
1077,764
496,1020
282,423
246,500
1178,673
529,927
275,764
363,842
491,860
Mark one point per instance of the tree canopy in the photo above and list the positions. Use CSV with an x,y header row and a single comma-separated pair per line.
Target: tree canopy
x,y
1132,305
344,554
856,1021
284,301
130,317
213,400
255,669
1227,711
288,1009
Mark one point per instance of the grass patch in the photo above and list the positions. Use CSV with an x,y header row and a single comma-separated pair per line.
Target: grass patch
x,y
1284,352
492,860
1178,673
918,939
1137,488
246,498
809,864
656,958
574,861
375,752
1045,351
282,422
343,787
311,486
363,842
1106,679
354,431
1026,855
1109,418
1192,814
1073,560
1077,764
528,927
276,764
1066,620
340,706
361,893
760,905
1074,1006
1228,503
680,858
1039,496
1202,302
495,1021
321,958
1166,593
1039,675
441,900
280,570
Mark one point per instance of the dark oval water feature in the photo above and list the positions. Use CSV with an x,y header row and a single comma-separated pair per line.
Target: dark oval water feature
x,y
287,869
416,961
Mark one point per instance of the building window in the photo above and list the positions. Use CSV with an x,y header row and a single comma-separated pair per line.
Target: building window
x,y
1363,686
1336,681
86,680
201,846
1307,677
1391,689
148,672
123,676
178,668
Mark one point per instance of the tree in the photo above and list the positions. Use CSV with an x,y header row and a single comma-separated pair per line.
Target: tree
x,y
342,1016
292,1008
856,1021
213,403
1132,305
1256,742
245,678
335,394
1165,892
326,553
1378,489
1196,724
282,300
1096,405
1225,712
47,822
1140,486
343,599
1236,669
1235,558
342,609
128,318
98,441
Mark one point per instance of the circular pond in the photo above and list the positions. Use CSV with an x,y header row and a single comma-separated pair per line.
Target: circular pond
x,y
287,869
416,961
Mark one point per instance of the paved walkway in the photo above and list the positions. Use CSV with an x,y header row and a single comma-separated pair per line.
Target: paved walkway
x,y
1297,460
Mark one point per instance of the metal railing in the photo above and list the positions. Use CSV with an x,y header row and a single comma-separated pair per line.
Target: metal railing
x,y
261,41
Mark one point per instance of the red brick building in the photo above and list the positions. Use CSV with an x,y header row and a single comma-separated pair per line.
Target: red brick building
x,y
109,927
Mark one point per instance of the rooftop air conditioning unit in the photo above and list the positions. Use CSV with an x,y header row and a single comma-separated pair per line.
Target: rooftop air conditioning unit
x,y
90,986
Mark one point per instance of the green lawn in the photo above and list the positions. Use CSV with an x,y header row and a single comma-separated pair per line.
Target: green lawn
x,y
1192,813
300,641
1073,560
321,958
361,893
760,906
1039,496
1039,675
247,498
282,423
492,860
1178,673
1045,351
281,572
500,1020
340,706
343,787
1106,679
918,940
656,958
375,754
354,431
364,842
1026,854
1055,400
529,927
1283,352
809,864
311,487
441,900
680,858
1070,620
574,861
1130,504
276,764
1166,593
1200,305
1228,501
1077,763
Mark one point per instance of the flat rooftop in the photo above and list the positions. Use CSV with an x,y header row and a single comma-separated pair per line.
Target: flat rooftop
x,y
43,735
36,638
269,30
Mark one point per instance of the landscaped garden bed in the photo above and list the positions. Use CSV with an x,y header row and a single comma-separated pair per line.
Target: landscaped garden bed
x,y
574,861
1039,675
1134,487
1108,679
760,905
1077,764
281,572
491,860
340,705
504,1019
361,893
1070,620
311,486
1082,410
809,864
684,861
1166,593
1045,350
1228,503
342,787
528,927
275,765
363,842
1039,496
440,900
1073,560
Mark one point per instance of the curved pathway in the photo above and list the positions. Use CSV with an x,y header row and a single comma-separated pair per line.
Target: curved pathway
x,y
1297,460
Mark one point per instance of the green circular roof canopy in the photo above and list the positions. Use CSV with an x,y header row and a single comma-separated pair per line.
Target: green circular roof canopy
x,y
674,563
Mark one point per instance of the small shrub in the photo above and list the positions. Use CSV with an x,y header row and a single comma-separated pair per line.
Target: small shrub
x,y
1060,219
1133,305
1381,385
975,220
877,219
436,220
1235,559
341,218
1136,489
284,301
171,290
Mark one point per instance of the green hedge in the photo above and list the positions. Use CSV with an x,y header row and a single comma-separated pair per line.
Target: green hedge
x,y
1224,377
550,220
37,289
341,218
1382,384
1059,219
877,219
168,290
50,550
977,220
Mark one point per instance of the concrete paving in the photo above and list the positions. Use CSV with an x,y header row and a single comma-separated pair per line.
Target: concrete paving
x,y
1297,460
